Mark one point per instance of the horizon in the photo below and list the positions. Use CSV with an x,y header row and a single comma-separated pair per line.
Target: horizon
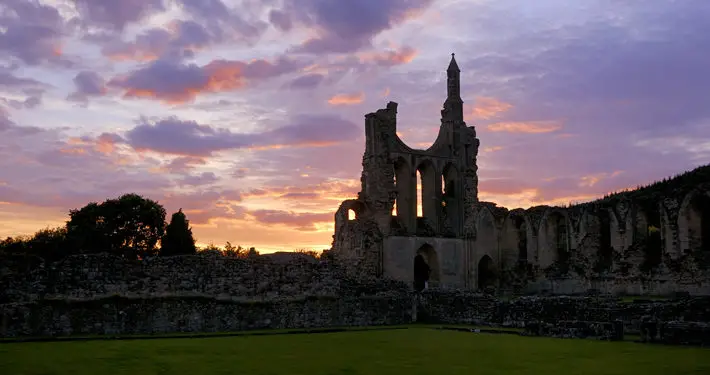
x,y
250,116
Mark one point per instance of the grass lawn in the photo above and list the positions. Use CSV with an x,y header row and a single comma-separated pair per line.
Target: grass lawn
x,y
411,351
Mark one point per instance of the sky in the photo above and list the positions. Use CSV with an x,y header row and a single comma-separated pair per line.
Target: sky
x,y
249,115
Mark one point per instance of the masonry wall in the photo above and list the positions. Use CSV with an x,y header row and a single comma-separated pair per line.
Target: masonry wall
x,y
122,315
449,267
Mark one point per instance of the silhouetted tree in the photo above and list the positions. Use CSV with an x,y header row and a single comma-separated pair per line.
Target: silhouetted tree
x,y
129,226
15,245
49,243
178,238
234,251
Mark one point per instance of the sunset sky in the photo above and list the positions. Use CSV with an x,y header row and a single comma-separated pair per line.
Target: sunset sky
x,y
249,114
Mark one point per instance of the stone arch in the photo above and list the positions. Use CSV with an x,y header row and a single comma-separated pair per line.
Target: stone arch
x,y
486,233
487,273
515,240
354,206
553,238
605,251
647,235
428,254
405,186
694,222
452,197
430,188
639,225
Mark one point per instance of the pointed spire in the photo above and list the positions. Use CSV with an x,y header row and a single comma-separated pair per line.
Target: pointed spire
x,y
453,66
453,106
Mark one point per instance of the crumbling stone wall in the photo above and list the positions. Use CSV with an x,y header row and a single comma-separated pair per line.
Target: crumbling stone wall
x,y
100,294
121,315
391,171
459,307
89,276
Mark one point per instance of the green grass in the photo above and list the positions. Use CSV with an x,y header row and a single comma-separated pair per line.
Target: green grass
x,y
411,351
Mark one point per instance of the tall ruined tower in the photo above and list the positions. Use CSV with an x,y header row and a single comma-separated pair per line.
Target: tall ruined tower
x,y
387,228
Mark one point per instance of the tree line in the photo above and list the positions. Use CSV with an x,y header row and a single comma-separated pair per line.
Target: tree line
x,y
130,226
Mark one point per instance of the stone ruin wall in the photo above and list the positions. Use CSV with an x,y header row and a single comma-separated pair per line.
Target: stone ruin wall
x,y
605,246
104,295
635,243
602,245
28,278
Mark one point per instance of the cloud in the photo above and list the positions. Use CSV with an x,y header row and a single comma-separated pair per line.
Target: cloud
x,y
487,108
531,127
344,27
88,84
188,138
347,99
307,81
182,164
400,56
205,178
31,32
11,82
300,221
238,23
116,14
180,39
178,83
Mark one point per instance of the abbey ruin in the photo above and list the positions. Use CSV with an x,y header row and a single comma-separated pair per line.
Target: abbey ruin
x,y
651,241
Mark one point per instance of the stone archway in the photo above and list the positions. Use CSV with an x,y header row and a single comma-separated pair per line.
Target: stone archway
x,y
426,267
487,275
694,223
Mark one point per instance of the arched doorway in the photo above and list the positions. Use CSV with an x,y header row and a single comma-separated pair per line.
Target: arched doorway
x,y
698,218
486,273
426,267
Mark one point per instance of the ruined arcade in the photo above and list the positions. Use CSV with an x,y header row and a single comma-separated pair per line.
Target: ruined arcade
x,y
653,240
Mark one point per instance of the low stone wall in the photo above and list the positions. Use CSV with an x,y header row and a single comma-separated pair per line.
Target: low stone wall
x,y
612,331
685,333
457,307
471,308
121,315
622,286
87,276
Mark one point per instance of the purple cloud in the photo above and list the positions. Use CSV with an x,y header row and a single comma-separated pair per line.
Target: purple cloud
x,y
32,32
117,14
175,82
308,81
205,178
87,84
346,26
240,23
188,138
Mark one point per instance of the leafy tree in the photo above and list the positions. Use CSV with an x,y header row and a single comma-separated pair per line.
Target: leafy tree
x,y
178,238
50,244
129,226
234,251
210,249
15,245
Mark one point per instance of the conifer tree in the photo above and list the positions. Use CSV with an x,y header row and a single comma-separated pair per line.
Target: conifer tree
x,y
178,238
